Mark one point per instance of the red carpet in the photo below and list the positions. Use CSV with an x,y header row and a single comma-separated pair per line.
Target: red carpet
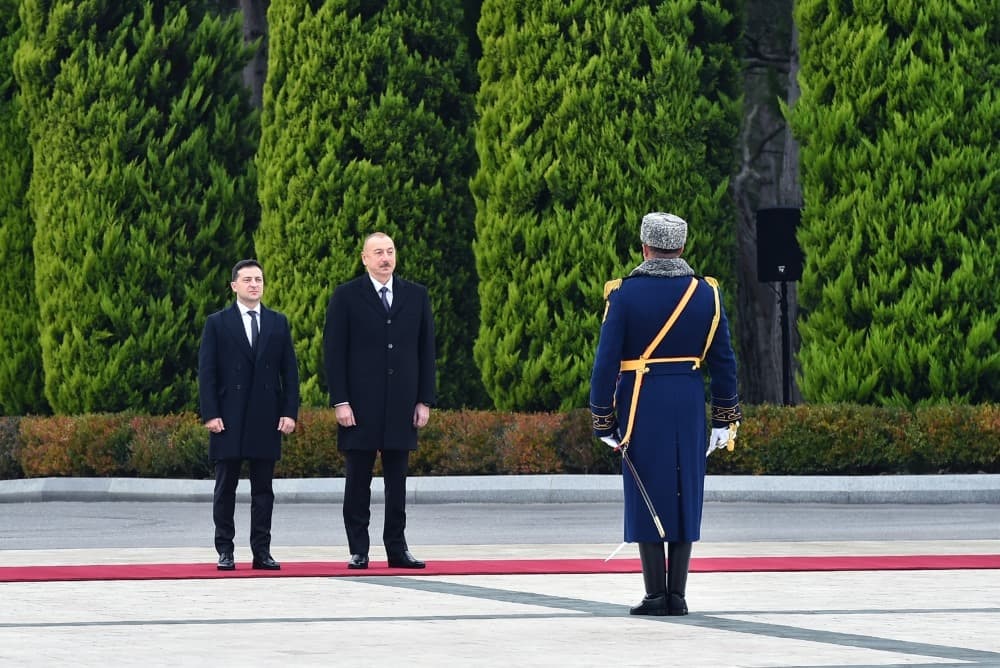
x,y
496,567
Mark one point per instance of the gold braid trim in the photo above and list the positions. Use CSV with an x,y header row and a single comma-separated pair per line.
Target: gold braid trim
x,y
726,413
603,421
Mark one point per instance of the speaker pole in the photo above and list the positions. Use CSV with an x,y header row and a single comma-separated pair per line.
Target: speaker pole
x,y
779,260
786,372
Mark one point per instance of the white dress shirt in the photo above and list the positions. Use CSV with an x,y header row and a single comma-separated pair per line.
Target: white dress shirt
x,y
246,320
378,288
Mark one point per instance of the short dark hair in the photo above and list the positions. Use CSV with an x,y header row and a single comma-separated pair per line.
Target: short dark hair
x,y
242,264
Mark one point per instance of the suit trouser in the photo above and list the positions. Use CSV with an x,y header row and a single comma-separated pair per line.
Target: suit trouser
x,y
227,475
358,494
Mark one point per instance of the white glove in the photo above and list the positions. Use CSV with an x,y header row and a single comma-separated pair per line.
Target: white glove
x,y
611,442
719,438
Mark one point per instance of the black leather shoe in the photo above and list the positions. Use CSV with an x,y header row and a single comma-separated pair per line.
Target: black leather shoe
x,y
358,561
405,560
264,562
676,605
651,605
226,562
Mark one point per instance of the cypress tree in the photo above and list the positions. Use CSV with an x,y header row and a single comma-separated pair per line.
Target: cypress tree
x,y
900,157
366,127
591,115
21,360
142,192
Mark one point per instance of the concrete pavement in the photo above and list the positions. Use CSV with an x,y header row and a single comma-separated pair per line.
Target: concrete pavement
x,y
793,619
981,488
857,619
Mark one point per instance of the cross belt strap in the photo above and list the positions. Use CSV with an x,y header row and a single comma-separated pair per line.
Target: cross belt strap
x,y
641,365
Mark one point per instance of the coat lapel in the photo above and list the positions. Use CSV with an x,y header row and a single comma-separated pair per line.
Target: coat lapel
x,y
399,294
369,295
234,324
267,325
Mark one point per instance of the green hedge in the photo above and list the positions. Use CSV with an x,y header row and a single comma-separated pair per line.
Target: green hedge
x,y
21,384
899,158
589,114
367,126
142,193
837,439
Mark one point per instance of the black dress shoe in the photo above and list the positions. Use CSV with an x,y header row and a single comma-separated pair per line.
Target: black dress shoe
x,y
358,561
655,604
405,560
226,562
676,605
264,562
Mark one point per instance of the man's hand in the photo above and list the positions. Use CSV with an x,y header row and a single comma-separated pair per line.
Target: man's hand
x,y
421,414
612,442
286,425
345,415
215,426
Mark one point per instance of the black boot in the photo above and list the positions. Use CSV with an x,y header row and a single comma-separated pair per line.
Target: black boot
x,y
654,576
678,562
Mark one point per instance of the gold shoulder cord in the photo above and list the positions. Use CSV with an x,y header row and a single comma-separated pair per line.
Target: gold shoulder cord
x,y
609,287
715,320
734,425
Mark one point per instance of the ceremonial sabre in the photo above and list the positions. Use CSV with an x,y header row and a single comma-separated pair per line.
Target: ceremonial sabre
x,y
643,492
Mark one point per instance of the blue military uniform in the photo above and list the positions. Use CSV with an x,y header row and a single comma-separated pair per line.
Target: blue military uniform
x,y
667,443
663,328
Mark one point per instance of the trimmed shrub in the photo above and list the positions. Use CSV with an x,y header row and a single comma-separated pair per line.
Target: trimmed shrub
x,y
9,446
835,439
579,451
591,114
492,443
900,155
88,445
170,446
460,443
45,446
829,440
142,192
21,389
311,451
366,126
959,439
528,444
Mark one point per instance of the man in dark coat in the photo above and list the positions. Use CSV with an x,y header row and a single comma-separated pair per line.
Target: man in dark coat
x,y
379,354
248,384
661,325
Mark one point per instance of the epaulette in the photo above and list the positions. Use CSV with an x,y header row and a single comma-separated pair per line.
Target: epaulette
x,y
714,282
611,286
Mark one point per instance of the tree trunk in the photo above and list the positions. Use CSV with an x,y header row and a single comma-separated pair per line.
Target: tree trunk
x,y
254,29
790,191
767,177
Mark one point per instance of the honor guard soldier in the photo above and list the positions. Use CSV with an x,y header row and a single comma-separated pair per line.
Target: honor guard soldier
x,y
663,327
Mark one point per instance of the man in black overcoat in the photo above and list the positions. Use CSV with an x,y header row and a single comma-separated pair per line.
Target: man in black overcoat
x,y
248,384
379,355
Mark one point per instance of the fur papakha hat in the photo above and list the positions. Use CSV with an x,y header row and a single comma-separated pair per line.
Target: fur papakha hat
x,y
663,230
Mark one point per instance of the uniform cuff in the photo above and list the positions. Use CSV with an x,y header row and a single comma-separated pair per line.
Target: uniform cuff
x,y
726,411
603,420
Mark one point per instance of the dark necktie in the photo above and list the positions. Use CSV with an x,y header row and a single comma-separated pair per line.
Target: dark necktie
x,y
385,300
254,330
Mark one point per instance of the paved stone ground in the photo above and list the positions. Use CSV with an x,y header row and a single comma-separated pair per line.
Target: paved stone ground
x,y
791,619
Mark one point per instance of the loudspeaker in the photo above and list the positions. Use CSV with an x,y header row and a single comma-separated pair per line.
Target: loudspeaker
x,y
779,256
